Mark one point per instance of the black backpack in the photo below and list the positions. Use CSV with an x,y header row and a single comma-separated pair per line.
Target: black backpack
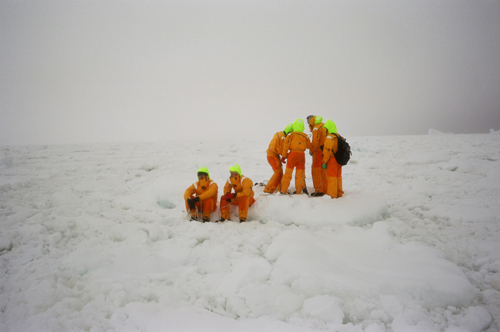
x,y
343,153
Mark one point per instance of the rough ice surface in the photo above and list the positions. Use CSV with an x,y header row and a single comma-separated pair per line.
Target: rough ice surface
x,y
95,238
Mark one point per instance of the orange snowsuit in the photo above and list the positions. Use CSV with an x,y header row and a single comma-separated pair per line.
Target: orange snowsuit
x,y
333,170
244,196
293,149
208,192
319,133
273,157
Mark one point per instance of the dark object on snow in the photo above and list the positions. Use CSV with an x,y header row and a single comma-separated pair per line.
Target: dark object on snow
x,y
304,190
343,153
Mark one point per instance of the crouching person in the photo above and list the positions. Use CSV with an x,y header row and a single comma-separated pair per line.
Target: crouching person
x,y
201,197
242,196
273,157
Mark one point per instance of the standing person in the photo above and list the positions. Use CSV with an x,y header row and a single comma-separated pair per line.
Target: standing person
x,y
242,196
319,132
293,149
201,196
273,157
330,164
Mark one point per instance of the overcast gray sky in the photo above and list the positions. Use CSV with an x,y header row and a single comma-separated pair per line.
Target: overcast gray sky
x,y
108,71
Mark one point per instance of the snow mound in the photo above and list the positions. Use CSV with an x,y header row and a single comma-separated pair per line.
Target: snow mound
x,y
347,264
355,209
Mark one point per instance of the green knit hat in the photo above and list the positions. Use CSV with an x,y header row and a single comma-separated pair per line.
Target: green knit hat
x,y
298,125
235,168
331,126
203,170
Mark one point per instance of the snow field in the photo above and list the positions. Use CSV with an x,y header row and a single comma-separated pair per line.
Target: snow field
x,y
95,238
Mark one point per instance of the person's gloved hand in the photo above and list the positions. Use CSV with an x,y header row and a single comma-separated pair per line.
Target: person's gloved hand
x,y
192,201
323,166
229,197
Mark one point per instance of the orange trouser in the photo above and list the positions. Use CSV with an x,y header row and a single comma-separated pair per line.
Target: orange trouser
x,y
274,182
207,206
334,178
295,160
243,203
318,173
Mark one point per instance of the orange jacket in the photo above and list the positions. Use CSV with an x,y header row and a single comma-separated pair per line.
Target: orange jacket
x,y
319,133
331,146
297,142
276,145
241,184
204,190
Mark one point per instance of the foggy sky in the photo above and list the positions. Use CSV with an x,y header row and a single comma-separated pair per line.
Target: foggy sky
x,y
109,71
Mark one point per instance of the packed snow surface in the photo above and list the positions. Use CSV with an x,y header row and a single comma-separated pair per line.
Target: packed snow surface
x,y
96,238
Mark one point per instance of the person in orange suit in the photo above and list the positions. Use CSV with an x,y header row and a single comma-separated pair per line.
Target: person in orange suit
x,y
201,197
319,132
242,196
295,144
330,164
274,159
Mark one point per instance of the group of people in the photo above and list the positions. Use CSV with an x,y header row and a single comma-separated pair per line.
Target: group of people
x,y
286,147
289,146
201,196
